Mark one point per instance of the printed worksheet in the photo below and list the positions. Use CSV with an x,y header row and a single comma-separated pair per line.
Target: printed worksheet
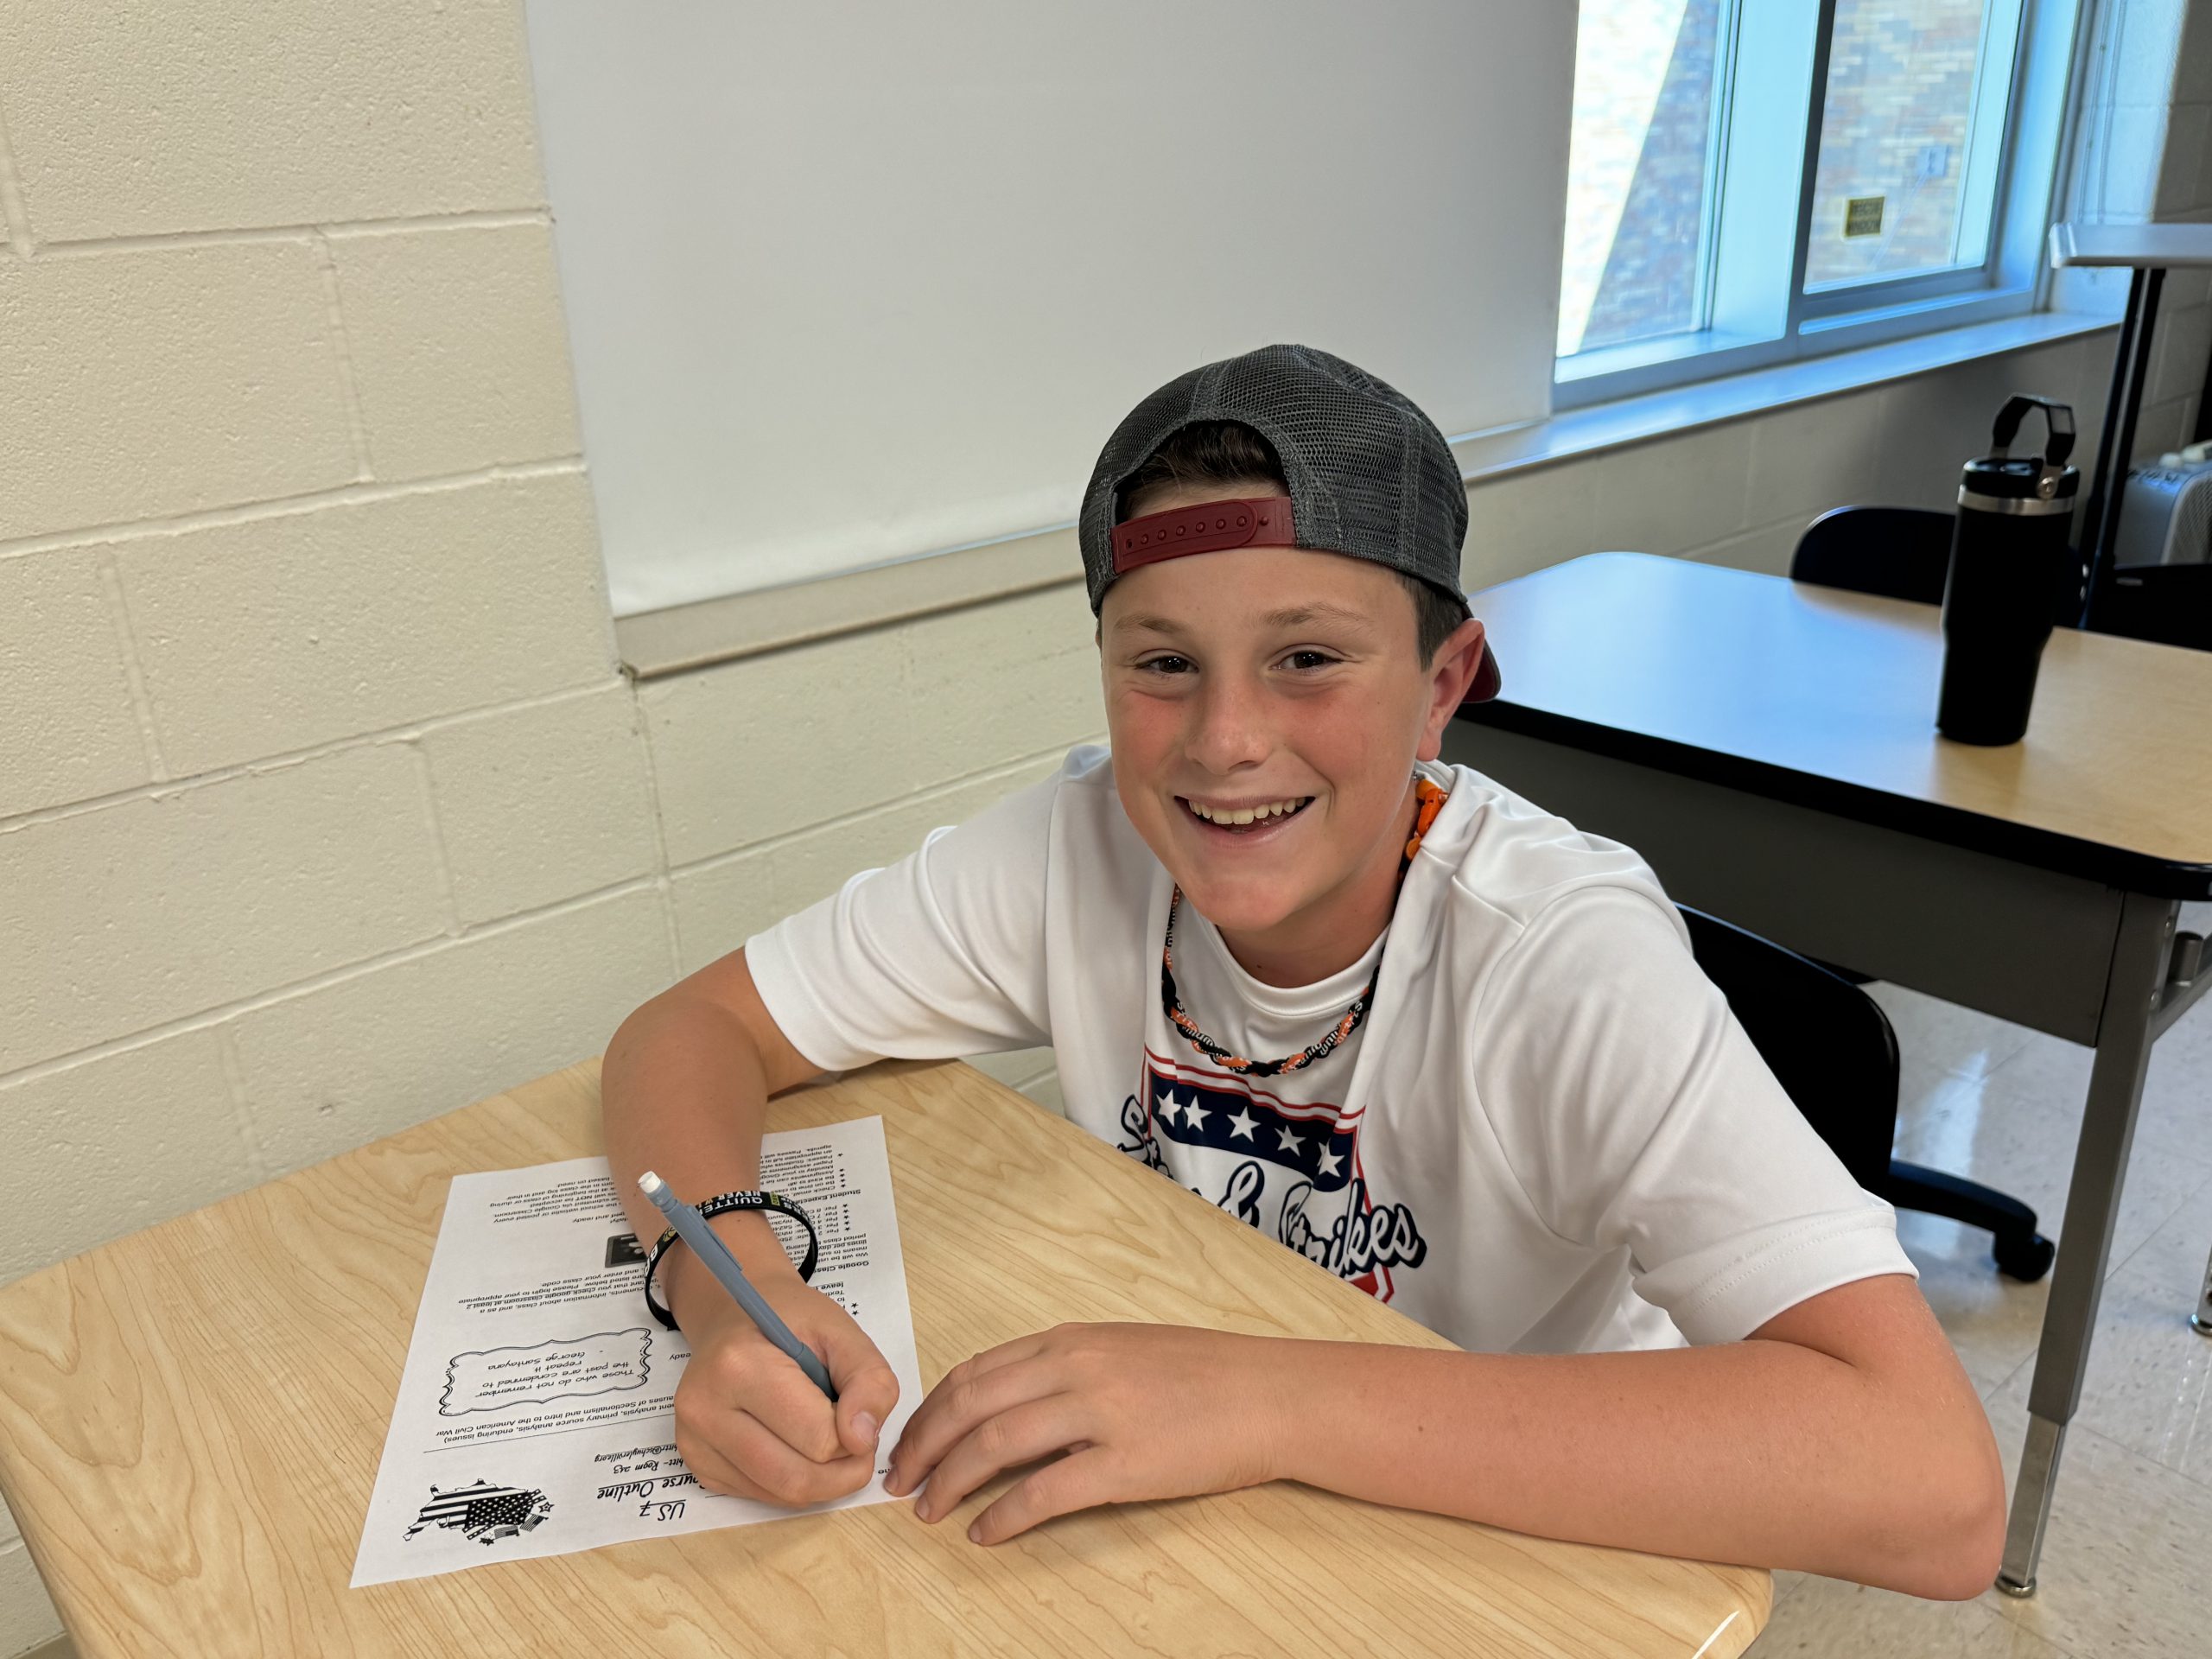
x,y
535,1412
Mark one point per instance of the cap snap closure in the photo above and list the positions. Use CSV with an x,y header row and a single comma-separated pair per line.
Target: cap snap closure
x,y
1206,528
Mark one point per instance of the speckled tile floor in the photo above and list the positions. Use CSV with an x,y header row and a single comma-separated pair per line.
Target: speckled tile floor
x,y
2127,1562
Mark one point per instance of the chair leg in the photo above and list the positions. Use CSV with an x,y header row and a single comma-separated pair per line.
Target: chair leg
x,y
2200,1321
2021,1253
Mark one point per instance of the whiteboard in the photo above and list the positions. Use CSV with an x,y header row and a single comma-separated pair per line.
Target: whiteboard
x,y
848,282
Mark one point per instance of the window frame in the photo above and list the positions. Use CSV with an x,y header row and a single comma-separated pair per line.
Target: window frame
x,y
1753,317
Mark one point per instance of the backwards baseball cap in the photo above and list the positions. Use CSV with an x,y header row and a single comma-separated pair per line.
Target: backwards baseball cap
x,y
1371,477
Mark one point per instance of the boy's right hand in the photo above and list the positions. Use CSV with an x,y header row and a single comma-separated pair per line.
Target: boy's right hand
x,y
749,1423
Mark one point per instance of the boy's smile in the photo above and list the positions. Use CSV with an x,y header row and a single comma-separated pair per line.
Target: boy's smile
x,y
1266,705
1248,819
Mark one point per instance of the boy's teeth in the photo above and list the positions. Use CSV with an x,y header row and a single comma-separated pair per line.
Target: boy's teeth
x,y
1249,815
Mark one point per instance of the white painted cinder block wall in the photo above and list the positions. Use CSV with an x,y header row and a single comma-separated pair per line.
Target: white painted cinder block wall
x,y
2183,195
2146,155
323,806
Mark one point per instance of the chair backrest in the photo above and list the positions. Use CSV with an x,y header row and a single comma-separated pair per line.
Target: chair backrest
x,y
1827,1043
1895,552
2167,604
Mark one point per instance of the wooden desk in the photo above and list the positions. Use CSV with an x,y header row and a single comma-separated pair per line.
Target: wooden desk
x,y
1827,699
190,1420
1770,747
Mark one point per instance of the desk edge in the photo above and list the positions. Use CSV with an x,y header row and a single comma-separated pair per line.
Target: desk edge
x,y
1974,832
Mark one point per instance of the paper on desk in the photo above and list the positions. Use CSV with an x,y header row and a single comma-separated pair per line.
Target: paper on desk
x,y
535,1413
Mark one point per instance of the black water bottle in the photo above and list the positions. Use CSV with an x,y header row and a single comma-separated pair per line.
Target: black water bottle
x,y
2009,558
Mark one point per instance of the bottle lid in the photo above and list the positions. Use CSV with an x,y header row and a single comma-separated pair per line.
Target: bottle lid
x,y
2003,482
2019,478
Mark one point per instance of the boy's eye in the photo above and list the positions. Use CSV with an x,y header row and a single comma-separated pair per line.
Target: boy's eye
x,y
1167,663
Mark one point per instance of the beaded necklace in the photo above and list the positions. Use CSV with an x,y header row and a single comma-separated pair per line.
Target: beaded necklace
x,y
1428,799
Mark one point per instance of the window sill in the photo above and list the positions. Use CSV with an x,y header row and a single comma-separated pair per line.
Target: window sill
x,y
689,637
1486,457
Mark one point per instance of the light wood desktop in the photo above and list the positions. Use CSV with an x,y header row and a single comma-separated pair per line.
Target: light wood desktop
x,y
1834,693
191,1419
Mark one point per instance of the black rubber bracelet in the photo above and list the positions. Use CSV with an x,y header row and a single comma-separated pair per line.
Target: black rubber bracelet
x,y
770,1203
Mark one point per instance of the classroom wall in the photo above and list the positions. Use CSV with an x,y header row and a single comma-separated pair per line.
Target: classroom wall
x,y
2145,157
323,805
2159,148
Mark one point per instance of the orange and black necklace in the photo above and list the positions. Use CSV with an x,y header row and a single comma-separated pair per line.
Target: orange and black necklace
x,y
1429,797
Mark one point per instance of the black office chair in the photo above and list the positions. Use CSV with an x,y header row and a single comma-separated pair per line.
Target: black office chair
x,y
1894,552
1830,1046
2166,604
1905,552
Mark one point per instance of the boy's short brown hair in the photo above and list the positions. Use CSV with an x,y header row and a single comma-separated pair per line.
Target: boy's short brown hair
x,y
1228,454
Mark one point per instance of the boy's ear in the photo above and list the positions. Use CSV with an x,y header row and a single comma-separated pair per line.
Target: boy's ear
x,y
1450,675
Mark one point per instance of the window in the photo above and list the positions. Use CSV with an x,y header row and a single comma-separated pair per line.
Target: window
x,y
1751,181
1912,124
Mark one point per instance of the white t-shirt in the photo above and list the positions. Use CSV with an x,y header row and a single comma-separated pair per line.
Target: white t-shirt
x,y
1549,1135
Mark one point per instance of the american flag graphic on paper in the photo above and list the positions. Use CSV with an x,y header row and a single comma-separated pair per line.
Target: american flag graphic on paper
x,y
483,1513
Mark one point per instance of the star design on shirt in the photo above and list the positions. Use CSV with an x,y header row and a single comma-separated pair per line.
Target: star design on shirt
x,y
1195,1114
1289,1140
1330,1162
1243,1123
1167,1106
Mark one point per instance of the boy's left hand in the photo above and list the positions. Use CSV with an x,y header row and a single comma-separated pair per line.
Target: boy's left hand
x,y
1142,1411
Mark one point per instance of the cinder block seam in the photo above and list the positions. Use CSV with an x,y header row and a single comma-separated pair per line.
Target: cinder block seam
x,y
242,1125
247,513
482,218
224,1013
284,761
672,934
1748,533
662,880
440,859
142,706
15,218
341,353
877,809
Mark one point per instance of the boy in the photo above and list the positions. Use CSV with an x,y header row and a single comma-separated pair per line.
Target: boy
x,y
1528,1122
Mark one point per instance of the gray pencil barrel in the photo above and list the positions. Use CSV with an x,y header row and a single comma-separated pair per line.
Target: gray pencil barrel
x,y
708,1246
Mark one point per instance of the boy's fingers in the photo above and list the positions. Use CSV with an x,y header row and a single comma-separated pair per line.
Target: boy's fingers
x,y
1022,1434
961,1382
865,1401
1076,1482
1005,1354
782,1475
717,1472
786,1402
956,1405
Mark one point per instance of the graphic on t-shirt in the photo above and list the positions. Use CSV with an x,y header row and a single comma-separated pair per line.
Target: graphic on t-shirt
x,y
1290,1169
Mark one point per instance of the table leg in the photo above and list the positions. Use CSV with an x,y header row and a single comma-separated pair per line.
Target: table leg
x,y
2131,994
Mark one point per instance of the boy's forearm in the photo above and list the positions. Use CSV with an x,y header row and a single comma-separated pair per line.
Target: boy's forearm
x,y
1763,1452
682,1090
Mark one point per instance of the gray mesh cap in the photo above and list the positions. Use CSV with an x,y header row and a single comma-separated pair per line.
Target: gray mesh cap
x,y
1370,474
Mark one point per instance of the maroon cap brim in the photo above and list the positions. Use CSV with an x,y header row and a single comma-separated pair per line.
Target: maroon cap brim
x,y
1487,682
1213,526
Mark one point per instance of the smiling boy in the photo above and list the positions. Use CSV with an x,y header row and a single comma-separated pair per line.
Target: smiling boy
x,y
1382,1008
